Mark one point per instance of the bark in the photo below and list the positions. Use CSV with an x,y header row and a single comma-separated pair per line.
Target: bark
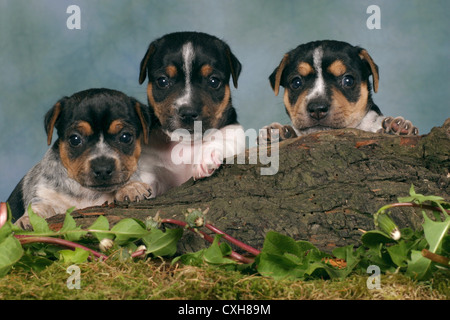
x,y
326,190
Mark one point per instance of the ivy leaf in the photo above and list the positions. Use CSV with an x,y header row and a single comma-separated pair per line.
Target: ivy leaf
x,y
161,243
128,230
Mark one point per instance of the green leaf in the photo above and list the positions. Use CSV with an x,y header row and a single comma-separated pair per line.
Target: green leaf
x,y
373,238
101,224
128,230
74,256
215,254
39,224
69,229
419,267
161,243
10,252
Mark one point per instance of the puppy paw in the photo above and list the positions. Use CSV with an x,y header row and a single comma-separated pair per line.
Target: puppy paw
x,y
133,191
398,126
275,132
24,222
210,163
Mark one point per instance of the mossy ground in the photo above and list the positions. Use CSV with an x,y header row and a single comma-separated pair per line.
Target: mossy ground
x,y
138,280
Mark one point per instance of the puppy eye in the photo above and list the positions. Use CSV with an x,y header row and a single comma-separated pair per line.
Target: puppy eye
x,y
163,82
348,81
296,83
75,140
126,138
214,82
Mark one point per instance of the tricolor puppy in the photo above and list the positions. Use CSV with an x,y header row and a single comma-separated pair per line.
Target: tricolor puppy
x,y
327,87
189,96
100,133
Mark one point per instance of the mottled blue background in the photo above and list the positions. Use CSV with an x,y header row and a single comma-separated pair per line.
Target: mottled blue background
x,y
42,60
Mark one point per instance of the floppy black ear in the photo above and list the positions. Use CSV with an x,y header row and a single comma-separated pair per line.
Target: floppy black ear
x,y
143,114
51,119
235,66
275,77
144,63
364,55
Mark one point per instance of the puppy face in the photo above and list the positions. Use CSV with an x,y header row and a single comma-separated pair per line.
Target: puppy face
x,y
326,85
99,137
188,76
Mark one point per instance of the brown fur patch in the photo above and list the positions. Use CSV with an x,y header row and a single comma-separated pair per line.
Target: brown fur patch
x,y
115,127
84,128
171,71
75,167
129,163
376,77
305,69
144,123
51,123
349,114
296,112
337,68
156,106
283,63
206,70
222,106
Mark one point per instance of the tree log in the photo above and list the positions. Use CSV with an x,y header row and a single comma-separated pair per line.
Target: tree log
x,y
327,188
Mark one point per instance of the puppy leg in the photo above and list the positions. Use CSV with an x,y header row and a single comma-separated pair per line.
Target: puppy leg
x,y
219,145
275,132
133,191
398,126
41,209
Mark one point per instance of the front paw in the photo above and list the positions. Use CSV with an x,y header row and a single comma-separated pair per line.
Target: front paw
x,y
134,191
398,126
275,132
210,163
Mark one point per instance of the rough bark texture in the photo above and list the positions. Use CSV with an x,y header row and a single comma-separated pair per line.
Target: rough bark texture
x,y
327,187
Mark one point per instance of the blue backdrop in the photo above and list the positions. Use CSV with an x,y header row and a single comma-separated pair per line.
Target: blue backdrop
x,y
42,60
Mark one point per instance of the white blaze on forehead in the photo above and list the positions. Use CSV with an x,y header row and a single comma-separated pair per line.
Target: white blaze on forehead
x,y
102,148
188,58
319,85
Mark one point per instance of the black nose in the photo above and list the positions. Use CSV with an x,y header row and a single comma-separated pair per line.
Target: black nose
x,y
317,111
188,114
103,168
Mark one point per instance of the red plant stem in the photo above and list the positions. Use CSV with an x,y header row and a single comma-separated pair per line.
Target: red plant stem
x,y
210,239
24,239
233,240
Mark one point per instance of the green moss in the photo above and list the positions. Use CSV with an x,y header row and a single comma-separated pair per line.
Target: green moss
x,y
158,280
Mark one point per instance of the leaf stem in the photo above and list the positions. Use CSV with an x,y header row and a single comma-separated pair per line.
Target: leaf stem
x,y
208,238
233,240
435,257
25,239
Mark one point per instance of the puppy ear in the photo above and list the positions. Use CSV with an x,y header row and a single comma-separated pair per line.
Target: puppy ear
x,y
235,66
364,55
50,120
143,73
144,116
275,77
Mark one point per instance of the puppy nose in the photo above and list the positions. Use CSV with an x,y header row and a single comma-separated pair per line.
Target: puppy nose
x,y
317,111
187,114
103,168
